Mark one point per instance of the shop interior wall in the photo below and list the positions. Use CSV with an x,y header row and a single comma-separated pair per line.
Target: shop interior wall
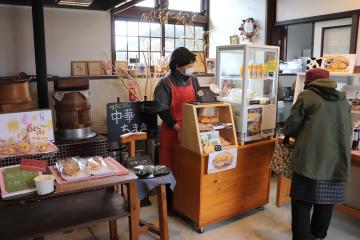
x,y
225,19
70,35
294,9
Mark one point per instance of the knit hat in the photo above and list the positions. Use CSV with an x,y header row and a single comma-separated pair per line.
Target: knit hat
x,y
314,74
181,57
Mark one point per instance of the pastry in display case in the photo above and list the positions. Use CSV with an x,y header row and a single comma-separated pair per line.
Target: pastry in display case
x,y
208,127
247,75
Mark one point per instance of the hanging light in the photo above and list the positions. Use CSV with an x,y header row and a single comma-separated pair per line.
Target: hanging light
x,y
81,3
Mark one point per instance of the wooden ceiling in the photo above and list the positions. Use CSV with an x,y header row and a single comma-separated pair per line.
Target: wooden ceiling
x,y
102,5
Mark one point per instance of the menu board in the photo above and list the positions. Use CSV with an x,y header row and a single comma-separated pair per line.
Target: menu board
x,y
14,181
128,117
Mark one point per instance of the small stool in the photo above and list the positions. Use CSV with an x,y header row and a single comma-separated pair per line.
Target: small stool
x,y
162,229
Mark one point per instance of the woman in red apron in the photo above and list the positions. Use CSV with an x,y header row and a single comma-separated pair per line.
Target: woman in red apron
x,y
175,89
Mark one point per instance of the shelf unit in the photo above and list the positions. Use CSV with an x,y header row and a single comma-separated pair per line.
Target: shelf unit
x,y
191,129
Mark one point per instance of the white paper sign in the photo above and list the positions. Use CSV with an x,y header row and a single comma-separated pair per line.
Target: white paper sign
x,y
14,127
38,133
222,160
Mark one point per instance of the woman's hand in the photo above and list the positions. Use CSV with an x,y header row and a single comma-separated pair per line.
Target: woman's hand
x,y
177,128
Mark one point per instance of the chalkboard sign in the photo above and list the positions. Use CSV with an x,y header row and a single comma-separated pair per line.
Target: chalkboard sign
x,y
127,117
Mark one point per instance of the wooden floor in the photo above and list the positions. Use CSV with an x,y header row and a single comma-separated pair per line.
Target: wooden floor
x,y
271,224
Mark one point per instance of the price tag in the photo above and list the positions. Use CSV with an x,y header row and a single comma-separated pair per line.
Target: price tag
x,y
38,134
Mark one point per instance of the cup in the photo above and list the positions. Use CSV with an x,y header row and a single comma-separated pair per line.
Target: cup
x,y
44,184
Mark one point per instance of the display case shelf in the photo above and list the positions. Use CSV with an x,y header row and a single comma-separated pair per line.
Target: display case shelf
x,y
247,75
191,130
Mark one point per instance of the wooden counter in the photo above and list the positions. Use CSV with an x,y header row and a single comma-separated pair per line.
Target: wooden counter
x,y
210,198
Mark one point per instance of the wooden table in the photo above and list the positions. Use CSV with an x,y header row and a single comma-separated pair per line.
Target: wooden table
x,y
72,205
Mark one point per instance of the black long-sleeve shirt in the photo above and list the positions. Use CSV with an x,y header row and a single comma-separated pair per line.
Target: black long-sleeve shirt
x,y
163,94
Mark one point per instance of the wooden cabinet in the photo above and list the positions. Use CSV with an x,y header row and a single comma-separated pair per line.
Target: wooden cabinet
x,y
210,198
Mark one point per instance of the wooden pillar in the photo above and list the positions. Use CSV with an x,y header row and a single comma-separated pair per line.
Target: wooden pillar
x,y
354,33
270,29
40,53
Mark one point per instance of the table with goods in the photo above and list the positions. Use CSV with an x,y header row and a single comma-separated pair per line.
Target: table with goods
x,y
49,186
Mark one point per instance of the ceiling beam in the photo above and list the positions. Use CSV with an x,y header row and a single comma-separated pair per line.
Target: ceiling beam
x,y
125,6
102,5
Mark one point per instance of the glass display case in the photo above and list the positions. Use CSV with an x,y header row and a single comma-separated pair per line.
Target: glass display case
x,y
247,75
208,127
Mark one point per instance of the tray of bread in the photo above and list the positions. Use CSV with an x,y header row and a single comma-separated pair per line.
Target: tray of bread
x,y
209,123
75,169
23,148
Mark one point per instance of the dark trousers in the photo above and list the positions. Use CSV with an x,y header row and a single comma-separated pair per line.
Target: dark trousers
x,y
305,227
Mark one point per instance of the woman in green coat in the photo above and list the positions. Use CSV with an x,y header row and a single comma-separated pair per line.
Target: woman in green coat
x,y
320,121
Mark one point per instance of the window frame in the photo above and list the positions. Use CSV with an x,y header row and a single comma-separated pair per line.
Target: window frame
x,y
134,14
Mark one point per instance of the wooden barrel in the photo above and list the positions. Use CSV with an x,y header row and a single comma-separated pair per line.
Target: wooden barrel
x,y
73,111
15,95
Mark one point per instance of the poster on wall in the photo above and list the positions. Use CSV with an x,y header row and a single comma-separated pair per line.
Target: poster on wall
x,y
222,160
16,127
339,63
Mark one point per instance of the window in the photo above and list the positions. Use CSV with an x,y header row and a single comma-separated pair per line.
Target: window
x,y
140,41
190,37
135,40
146,3
336,40
185,5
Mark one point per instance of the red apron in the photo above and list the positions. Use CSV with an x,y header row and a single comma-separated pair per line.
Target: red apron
x,y
180,95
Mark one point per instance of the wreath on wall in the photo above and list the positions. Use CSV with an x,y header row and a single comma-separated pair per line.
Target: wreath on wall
x,y
248,29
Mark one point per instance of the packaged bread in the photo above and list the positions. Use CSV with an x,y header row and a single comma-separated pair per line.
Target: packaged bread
x,y
23,147
71,167
208,119
7,150
95,163
42,147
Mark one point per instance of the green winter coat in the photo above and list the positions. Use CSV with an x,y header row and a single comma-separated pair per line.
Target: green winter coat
x,y
320,121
